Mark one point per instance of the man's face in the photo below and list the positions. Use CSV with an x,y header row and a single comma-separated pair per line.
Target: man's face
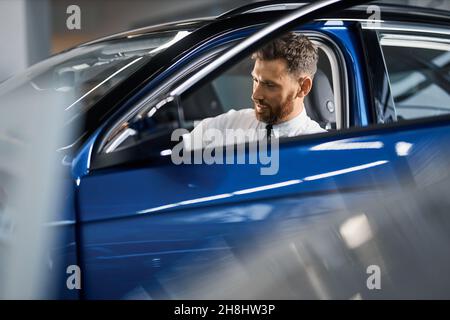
x,y
274,90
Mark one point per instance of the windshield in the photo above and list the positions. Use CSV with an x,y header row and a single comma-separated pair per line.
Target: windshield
x,y
77,79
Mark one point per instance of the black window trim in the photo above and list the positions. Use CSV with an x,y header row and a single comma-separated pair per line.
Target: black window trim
x,y
380,99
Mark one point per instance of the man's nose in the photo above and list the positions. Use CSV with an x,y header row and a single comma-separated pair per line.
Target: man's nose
x,y
257,94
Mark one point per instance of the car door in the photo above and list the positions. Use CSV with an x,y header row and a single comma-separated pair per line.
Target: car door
x,y
146,226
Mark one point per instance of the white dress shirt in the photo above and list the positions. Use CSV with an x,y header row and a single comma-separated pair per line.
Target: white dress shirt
x,y
242,125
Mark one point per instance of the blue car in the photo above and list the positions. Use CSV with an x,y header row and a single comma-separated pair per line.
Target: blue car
x,y
368,197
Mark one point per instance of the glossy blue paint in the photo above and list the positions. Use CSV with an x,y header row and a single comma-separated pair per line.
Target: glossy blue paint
x,y
127,249
81,162
229,183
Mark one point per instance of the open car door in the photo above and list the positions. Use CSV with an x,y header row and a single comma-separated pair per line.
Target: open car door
x,y
147,229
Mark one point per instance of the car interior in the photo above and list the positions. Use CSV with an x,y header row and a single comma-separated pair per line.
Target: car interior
x,y
232,90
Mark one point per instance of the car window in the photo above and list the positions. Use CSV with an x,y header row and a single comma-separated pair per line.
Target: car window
x,y
78,78
84,74
233,90
156,115
419,73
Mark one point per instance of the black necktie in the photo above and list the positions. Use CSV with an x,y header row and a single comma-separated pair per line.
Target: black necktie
x,y
269,132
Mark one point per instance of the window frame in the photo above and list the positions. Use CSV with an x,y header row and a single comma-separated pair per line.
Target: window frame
x,y
403,31
330,48
426,43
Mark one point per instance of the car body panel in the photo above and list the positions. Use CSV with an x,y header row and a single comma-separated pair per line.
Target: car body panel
x,y
137,230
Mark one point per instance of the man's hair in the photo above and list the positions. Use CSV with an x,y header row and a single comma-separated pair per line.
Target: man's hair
x,y
297,50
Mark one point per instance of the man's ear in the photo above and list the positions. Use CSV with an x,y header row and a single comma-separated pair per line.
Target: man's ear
x,y
305,85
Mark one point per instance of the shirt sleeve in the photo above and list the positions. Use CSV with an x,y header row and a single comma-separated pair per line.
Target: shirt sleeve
x,y
195,139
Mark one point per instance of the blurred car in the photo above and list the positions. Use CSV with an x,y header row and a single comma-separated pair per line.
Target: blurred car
x,y
140,226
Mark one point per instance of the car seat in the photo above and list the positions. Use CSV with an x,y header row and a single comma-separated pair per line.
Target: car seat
x,y
319,103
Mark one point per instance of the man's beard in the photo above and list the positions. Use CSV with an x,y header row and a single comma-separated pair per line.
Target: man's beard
x,y
274,115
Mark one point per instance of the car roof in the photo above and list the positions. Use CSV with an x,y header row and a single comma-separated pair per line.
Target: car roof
x,y
277,5
398,11
163,27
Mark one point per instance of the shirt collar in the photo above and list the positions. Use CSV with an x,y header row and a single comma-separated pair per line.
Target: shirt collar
x,y
292,125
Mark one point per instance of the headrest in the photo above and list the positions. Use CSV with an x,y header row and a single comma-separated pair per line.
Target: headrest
x,y
319,103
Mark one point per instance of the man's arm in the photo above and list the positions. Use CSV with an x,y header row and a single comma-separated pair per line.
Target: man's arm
x,y
197,139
